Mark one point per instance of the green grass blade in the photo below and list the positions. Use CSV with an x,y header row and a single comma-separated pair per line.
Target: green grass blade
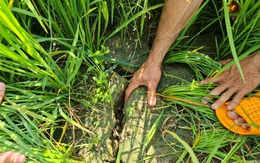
x,y
185,145
36,15
231,39
151,132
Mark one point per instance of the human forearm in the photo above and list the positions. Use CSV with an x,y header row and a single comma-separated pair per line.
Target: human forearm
x,y
175,15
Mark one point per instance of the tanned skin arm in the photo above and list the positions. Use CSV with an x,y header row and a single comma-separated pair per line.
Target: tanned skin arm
x,y
175,16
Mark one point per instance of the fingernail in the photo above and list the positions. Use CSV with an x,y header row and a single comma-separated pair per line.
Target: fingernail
x,y
244,126
19,159
204,101
151,103
230,107
232,114
214,106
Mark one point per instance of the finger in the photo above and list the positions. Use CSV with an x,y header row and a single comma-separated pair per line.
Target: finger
x,y
239,120
132,86
12,157
2,91
245,126
232,115
242,121
224,97
151,97
206,81
205,100
236,100
218,79
225,61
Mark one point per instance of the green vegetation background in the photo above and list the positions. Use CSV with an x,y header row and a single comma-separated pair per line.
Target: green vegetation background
x,y
53,59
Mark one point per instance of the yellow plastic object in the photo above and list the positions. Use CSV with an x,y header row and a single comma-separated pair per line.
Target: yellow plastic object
x,y
249,109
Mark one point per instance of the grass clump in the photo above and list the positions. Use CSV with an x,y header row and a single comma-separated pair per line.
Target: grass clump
x,y
42,83
200,63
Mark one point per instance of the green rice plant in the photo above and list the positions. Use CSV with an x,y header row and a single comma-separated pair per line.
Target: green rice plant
x,y
190,95
245,29
242,37
93,18
204,18
64,19
26,52
151,132
230,38
39,91
215,142
138,12
212,140
27,119
25,13
209,134
134,16
201,64
77,28
186,146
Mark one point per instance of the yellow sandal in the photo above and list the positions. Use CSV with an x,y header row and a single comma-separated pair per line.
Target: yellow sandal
x,y
249,109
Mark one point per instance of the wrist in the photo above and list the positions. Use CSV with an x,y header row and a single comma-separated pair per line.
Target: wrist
x,y
156,56
154,60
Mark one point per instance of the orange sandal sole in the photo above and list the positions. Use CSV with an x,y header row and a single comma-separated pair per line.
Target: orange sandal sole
x,y
249,109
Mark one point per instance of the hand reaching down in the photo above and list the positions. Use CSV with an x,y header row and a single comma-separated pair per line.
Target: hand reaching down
x,y
231,82
148,75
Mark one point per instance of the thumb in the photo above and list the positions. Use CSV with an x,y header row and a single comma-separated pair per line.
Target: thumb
x,y
131,87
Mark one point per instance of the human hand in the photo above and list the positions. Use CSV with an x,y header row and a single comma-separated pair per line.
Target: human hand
x,y
149,75
2,91
12,157
231,82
